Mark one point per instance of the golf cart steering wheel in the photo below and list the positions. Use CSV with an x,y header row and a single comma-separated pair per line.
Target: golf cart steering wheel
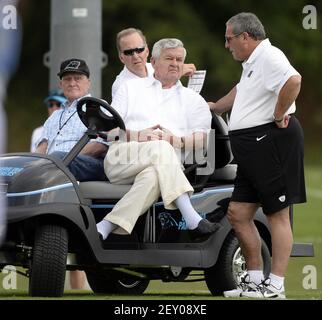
x,y
91,112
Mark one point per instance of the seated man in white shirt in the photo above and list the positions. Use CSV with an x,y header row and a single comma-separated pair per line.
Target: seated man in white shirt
x,y
133,52
160,115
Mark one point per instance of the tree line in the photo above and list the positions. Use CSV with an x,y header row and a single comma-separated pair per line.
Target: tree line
x,y
199,24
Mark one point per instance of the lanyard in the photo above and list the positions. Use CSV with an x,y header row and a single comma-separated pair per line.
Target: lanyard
x,y
61,126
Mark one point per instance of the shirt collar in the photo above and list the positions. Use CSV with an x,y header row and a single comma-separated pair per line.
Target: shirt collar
x,y
127,71
257,51
68,104
150,81
148,67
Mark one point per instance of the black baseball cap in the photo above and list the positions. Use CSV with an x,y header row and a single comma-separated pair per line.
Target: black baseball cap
x,y
73,65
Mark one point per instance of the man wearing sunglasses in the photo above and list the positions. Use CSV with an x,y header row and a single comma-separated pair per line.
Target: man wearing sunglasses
x,y
53,102
133,52
267,143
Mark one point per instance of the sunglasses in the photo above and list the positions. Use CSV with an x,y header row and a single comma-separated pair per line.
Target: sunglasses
x,y
130,52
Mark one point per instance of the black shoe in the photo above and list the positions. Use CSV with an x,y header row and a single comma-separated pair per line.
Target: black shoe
x,y
205,228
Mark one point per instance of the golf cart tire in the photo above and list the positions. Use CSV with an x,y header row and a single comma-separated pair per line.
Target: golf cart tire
x,y
221,277
48,268
104,283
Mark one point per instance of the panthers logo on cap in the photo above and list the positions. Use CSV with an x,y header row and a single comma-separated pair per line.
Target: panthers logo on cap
x,y
73,65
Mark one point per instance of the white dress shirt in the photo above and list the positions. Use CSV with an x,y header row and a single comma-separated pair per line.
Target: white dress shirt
x,y
143,103
264,74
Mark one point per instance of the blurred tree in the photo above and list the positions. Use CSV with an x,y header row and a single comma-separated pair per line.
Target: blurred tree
x,y
199,24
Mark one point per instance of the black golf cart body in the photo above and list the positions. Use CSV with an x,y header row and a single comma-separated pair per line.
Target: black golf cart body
x,y
52,224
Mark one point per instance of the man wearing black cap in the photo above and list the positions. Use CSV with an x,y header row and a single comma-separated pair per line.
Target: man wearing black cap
x,y
63,129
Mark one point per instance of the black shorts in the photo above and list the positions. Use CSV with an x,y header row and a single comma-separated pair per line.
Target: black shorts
x,y
270,167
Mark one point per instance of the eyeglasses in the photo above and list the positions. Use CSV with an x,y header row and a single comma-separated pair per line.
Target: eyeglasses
x,y
228,39
130,52
53,104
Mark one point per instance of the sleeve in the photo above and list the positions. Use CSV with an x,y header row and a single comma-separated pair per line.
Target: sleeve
x,y
277,70
198,113
45,131
115,86
35,138
50,127
120,101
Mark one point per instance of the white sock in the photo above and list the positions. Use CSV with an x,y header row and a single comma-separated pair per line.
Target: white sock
x,y
256,276
276,281
190,215
105,227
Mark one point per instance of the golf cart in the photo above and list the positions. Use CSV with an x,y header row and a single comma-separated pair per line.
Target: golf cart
x,y
52,222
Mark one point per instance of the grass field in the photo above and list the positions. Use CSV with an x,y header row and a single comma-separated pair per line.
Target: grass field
x,y
307,228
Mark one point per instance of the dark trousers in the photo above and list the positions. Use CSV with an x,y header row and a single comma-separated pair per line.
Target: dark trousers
x,y
84,168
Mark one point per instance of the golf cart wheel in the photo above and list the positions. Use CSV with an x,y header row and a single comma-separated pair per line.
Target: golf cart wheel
x,y
231,266
104,283
48,267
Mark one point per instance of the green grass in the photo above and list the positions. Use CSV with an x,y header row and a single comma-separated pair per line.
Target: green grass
x,y
307,228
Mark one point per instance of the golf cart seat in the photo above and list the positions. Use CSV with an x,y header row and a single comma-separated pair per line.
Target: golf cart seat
x,y
103,190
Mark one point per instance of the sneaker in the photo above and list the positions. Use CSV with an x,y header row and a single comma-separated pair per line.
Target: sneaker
x,y
253,292
270,291
244,287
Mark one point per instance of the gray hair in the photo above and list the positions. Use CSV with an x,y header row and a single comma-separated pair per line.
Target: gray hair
x,y
127,32
247,22
167,44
